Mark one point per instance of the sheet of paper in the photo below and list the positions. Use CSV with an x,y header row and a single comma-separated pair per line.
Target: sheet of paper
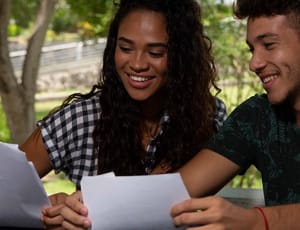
x,y
22,195
132,202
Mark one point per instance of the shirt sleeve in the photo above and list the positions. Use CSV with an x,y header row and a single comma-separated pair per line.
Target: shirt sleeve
x,y
238,139
67,135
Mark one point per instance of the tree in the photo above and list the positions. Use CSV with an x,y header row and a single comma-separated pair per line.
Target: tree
x,y
18,96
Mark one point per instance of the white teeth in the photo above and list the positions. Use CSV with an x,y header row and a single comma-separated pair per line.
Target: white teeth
x,y
268,79
140,79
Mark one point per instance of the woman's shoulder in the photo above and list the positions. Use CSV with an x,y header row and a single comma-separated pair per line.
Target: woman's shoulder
x,y
90,105
80,109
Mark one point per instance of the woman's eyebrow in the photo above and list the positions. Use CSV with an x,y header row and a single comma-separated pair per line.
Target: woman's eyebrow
x,y
151,44
125,40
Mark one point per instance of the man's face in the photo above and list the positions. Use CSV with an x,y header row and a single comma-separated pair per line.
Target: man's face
x,y
275,48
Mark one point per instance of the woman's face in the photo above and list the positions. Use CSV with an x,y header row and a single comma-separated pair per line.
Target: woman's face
x,y
141,53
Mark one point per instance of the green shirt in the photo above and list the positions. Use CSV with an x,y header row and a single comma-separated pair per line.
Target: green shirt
x,y
266,136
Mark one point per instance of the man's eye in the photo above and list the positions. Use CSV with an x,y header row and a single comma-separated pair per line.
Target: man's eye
x,y
269,45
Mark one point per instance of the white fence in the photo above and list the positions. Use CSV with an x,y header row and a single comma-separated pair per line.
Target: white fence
x,y
62,53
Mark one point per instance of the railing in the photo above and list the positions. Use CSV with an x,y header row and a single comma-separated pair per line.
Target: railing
x,y
62,53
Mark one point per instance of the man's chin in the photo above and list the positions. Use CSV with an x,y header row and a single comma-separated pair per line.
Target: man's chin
x,y
275,100
288,100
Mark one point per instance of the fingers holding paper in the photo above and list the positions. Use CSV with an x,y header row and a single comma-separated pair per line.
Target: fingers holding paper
x,y
51,216
212,213
75,213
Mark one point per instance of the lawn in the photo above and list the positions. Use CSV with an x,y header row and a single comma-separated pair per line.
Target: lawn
x,y
57,183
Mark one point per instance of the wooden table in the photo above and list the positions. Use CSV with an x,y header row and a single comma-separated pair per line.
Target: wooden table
x,y
243,197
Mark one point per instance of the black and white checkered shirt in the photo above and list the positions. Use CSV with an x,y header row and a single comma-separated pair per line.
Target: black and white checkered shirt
x,y
68,138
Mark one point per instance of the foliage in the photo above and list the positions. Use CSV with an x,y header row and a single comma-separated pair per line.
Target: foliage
x,y
89,19
64,20
229,50
13,30
97,13
24,12
4,132
251,179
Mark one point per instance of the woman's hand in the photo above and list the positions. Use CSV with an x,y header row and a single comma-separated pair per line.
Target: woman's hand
x,y
75,213
51,215
214,213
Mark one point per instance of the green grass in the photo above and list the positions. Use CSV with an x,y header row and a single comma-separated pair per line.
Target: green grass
x,y
57,183
4,133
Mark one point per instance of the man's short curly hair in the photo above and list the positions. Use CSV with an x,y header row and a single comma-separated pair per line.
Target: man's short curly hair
x,y
255,8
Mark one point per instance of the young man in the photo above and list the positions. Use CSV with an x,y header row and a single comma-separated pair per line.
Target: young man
x,y
263,131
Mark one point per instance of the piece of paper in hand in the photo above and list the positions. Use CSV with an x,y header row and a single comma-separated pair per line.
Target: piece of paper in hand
x,y
22,195
132,202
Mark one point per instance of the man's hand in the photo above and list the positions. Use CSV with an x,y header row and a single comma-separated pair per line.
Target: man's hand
x,y
213,213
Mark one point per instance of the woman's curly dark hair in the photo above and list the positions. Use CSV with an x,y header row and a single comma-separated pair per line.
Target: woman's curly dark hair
x,y
189,102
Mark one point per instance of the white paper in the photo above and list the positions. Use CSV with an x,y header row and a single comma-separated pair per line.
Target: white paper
x,y
22,195
132,202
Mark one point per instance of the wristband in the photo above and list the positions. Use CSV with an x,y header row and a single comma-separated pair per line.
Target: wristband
x,y
264,217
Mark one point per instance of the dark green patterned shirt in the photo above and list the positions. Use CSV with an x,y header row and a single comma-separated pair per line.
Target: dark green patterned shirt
x,y
266,136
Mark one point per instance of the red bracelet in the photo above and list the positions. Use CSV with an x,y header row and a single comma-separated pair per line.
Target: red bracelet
x,y
264,217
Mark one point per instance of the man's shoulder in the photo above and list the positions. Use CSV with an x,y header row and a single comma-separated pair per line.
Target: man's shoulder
x,y
257,100
254,104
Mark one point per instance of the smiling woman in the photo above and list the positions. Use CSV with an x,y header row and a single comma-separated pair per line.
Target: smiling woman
x,y
152,109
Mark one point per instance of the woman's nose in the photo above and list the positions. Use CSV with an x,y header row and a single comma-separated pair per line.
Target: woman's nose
x,y
139,62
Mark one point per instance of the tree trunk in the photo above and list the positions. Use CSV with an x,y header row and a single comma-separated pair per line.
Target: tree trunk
x,y
18,97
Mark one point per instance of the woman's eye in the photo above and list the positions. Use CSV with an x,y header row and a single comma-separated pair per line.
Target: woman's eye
x,y
156,54
125,49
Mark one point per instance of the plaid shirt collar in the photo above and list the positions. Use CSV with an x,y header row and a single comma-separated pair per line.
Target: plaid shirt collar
x,y
149,160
